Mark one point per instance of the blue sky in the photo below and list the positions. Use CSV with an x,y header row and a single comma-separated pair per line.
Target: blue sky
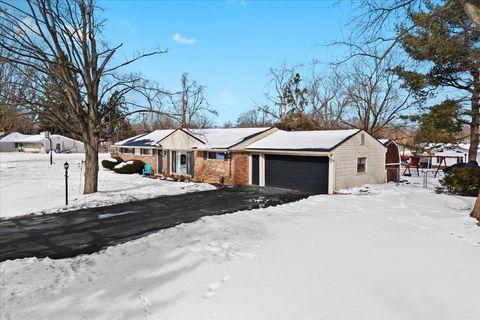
x,y
228,46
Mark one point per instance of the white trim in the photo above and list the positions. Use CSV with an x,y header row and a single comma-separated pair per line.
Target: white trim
x,y
331,174
261,174
292,152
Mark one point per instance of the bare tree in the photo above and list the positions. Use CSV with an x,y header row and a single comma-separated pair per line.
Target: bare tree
x,y
60,40
374,95
327,98
188,107
254,118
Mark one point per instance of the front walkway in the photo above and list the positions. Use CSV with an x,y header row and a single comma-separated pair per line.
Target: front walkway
x,y
85,231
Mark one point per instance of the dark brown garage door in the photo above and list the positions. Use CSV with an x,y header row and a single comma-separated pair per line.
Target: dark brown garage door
x,y
308,174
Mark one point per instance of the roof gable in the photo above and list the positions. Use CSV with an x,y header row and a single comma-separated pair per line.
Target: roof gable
x,y
224,138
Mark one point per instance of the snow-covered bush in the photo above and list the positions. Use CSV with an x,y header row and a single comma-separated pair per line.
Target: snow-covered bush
x,y
130,167
110,163
462,181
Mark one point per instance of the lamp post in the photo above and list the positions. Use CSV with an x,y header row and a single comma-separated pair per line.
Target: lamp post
x,y
65,165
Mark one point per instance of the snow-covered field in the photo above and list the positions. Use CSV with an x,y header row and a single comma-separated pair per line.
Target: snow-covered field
x,y
28,184
397,252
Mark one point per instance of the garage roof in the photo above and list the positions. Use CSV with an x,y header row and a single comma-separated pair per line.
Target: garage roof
x,y
146,139
318,140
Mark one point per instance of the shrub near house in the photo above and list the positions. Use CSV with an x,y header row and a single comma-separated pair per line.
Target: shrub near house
x,y
129,167
464,181
111,162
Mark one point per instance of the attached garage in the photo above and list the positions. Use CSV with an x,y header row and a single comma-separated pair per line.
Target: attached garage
x,y
308,174
319,162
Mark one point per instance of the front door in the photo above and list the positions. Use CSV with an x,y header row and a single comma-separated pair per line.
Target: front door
x,y
182,162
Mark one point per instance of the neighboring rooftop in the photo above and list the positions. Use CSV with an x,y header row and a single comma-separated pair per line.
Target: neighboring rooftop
x,y
146,139
319,140
13,137
223,138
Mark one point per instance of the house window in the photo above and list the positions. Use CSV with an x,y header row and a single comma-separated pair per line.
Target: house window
x,y
146,152
361,164
127,150
216,155
362,139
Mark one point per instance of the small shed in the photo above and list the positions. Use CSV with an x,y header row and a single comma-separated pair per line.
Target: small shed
x,y
392,160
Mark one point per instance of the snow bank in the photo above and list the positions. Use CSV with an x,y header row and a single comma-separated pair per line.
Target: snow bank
x,y
28,184
402,253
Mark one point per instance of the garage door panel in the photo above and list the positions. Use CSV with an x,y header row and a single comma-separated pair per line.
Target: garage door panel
x,y
297,172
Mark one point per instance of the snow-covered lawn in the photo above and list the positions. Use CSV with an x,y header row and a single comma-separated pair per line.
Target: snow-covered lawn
x,y
396,253
28,184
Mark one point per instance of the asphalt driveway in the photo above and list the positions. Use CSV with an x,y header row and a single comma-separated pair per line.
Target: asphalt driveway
x,y
85,231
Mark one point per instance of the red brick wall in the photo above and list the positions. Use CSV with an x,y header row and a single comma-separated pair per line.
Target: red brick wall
x,y
235,170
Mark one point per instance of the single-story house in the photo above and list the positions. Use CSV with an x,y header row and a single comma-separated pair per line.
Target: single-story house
x,y
9,143
392,160
208,155
319,161
38,143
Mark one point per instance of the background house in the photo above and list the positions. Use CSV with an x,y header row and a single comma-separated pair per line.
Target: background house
x,y
38,143
8,143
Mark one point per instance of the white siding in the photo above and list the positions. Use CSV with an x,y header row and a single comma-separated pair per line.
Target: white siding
x,y
345,157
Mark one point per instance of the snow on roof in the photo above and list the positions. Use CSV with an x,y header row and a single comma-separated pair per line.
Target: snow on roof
x,y
318,140
146,139
32,139
13,137
384,141
222,138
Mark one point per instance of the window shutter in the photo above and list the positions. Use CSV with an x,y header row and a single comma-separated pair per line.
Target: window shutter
x,y
174,161
168,162
190,162
226,156
205,155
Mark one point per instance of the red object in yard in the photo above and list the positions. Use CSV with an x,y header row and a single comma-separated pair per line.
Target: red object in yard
x,y
412,162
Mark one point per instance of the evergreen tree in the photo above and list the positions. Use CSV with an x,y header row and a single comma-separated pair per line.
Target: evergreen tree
x,y
446,42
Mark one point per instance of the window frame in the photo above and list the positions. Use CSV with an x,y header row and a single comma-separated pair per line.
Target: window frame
x,y
364,165
124,150
142,152
223,158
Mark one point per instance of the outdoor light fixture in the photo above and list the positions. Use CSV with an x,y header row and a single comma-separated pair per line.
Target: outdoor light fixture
x,y
65,165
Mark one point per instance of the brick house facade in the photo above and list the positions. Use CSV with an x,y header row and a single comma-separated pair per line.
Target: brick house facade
x,y
233,171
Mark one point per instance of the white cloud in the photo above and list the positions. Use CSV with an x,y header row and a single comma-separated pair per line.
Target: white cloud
x,y
178,38
128,26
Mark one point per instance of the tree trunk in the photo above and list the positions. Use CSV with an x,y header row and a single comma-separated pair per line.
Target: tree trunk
x,y
474,125
476,210
91,165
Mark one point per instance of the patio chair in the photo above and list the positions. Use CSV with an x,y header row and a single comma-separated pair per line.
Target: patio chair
x,y
147,170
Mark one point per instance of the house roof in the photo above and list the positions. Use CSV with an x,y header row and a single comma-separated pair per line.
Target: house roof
x,y
318,140
224,138
146,139
13,137
36,138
